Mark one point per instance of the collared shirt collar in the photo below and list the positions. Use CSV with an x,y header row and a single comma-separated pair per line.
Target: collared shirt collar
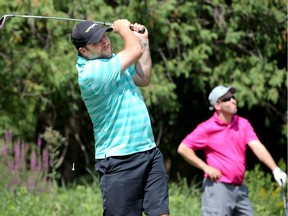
x,y
221,122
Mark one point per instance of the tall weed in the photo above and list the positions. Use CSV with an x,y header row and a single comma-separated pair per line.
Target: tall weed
x,y
185,199
24,165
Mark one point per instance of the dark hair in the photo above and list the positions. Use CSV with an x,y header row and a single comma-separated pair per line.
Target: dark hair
x,y
78,43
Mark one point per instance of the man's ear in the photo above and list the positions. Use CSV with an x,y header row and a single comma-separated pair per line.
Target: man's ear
x,y
217,106
83,51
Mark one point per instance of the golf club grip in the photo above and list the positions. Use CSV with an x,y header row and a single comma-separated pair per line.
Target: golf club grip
x,y
142,30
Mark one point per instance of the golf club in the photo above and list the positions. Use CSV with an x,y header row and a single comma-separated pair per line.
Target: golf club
x,y
3,19
284,200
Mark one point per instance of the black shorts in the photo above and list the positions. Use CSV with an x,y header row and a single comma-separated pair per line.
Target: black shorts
x,y
134,184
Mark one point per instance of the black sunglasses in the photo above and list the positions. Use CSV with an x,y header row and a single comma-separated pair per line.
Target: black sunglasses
x,y
225,99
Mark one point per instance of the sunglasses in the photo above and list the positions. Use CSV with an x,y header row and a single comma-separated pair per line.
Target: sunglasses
x,y
225,99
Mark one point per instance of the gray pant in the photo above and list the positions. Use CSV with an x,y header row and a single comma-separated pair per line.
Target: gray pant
x,y
220,199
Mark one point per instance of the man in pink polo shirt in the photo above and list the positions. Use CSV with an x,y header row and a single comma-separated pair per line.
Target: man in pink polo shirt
x,y
224,138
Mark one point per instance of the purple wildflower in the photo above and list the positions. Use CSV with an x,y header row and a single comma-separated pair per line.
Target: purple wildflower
x,y
33,162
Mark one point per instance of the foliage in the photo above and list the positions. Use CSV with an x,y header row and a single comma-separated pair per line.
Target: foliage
x,y
85,199
80,200
55,142
195,45
264,192
184,199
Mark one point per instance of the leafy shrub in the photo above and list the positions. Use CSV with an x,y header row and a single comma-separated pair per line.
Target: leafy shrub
x,y
264,192
55,142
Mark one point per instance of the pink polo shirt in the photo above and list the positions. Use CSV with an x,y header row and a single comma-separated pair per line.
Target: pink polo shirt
x,y
224,145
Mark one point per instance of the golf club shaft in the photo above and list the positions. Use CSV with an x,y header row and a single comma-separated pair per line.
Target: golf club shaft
x,y
3,19
284,201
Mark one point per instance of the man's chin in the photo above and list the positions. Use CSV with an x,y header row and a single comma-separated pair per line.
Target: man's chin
x,y
107,56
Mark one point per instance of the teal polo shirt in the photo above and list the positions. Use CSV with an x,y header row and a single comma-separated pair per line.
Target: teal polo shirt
x,y
116,107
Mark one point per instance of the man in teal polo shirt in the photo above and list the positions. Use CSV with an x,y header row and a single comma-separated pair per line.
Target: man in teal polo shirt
x,y
131,168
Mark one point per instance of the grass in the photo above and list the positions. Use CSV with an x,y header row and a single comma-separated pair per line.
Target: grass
x,y
86,200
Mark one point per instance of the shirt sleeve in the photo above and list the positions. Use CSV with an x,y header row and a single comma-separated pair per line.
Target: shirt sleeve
x,y
250,133
197,139
100,75
132,70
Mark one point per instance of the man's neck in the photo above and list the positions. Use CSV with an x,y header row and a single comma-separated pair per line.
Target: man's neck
x,y
227,118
